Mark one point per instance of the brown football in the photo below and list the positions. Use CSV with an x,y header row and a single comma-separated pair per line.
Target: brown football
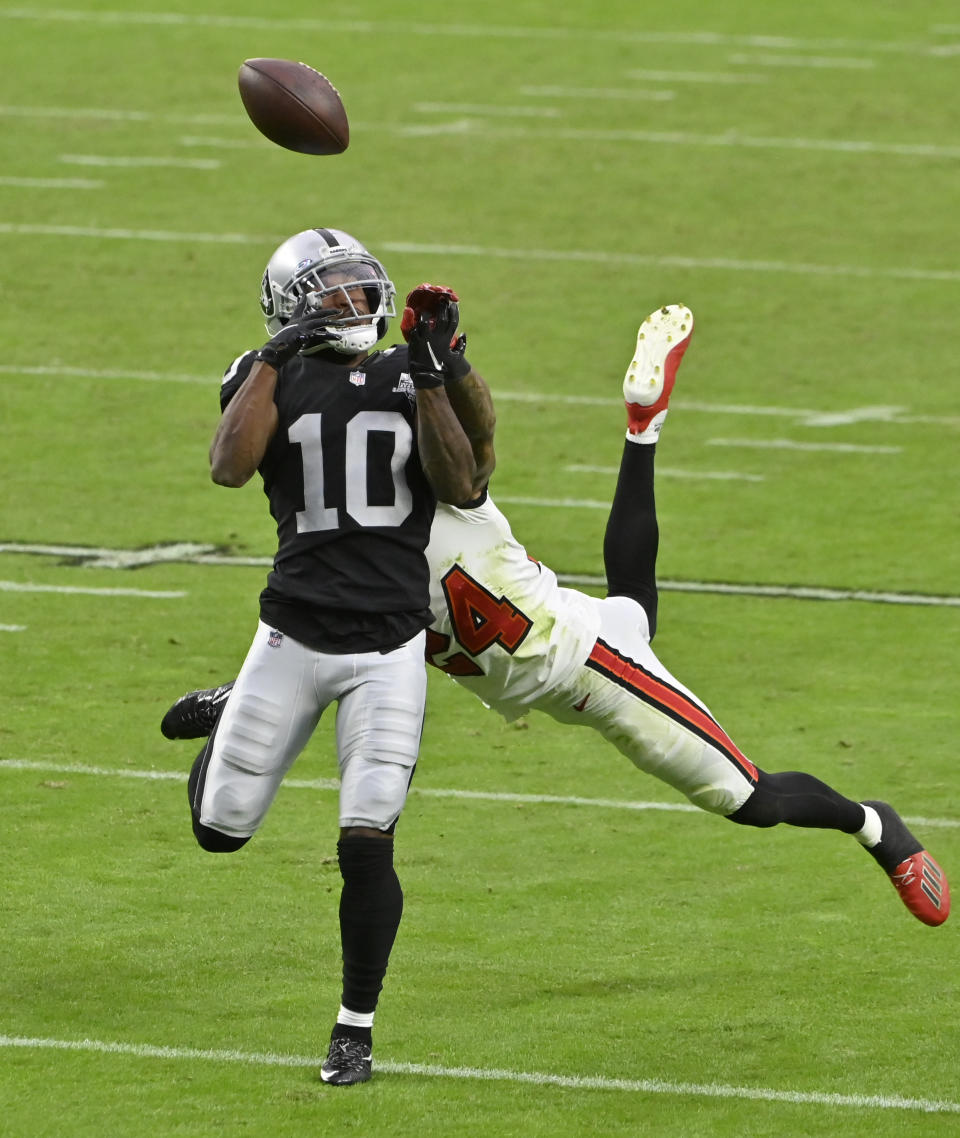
x,y
294,106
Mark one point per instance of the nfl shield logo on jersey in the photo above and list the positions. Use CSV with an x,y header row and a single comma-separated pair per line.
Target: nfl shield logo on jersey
x,y
358,378
275,639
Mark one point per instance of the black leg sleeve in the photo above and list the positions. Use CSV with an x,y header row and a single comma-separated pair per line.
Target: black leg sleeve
x,y
799,800
632,536
371,904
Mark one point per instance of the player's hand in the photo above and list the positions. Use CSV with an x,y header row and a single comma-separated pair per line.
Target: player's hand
x,y
307,328
429,325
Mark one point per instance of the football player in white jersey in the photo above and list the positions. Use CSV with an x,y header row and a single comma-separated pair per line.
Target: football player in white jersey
x,y
504,628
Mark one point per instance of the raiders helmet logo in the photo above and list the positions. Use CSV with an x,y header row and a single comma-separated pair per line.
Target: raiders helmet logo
x,y
266,296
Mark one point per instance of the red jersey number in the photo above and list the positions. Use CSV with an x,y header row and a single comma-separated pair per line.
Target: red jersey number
x,y
479,618
455,665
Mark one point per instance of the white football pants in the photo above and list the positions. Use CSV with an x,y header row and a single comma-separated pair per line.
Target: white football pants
x,y
623,691
273,709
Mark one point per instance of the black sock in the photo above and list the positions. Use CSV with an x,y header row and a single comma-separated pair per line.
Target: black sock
x,y
371,904
632,536
799,800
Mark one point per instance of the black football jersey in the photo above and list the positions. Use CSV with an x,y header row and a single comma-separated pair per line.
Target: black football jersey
x,y
352,505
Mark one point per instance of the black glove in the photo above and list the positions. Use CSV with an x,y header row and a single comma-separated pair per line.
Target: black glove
x,y
306,329
429,326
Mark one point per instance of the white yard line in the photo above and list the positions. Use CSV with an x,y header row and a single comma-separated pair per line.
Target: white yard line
x,y
140,162
673,472
804,416
655,1086
27,587
13,628
488,110
566,256
555,503
792,592
65,372
723,78
102,558
452,30
198,554
792,444
214,143
115,114
629,93
118,234
330,784
816,62
732,139
471,126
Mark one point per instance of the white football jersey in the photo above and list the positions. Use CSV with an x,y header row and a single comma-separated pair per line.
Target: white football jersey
x,y
503,626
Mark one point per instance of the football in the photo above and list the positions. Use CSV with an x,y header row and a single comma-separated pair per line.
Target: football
x,y
294,106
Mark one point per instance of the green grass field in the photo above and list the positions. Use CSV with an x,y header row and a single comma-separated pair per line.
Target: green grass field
x,y
580,954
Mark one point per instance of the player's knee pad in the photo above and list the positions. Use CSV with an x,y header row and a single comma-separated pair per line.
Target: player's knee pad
x,y
250,745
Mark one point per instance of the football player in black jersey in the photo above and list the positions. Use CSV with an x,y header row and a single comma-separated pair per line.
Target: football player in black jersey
x,y
354,447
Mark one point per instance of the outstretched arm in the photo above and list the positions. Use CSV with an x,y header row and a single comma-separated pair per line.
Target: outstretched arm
x,y
445,451
473,406
437,360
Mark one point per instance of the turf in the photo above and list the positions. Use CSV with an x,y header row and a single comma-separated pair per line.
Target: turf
x,y
698,973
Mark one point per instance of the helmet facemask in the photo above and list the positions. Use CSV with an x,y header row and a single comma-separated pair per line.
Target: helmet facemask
x,y
342,276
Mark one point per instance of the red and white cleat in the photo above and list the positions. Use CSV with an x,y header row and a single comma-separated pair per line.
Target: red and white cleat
x,y
661,342
918,879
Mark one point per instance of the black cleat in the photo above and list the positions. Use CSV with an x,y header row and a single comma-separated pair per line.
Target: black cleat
x,y
195,714
921,883
347,1062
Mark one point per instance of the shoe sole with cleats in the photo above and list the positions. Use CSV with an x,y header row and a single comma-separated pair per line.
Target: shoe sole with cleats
x,y
661,341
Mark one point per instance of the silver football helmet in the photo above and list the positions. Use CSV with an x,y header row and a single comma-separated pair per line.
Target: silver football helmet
x,y
319,263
